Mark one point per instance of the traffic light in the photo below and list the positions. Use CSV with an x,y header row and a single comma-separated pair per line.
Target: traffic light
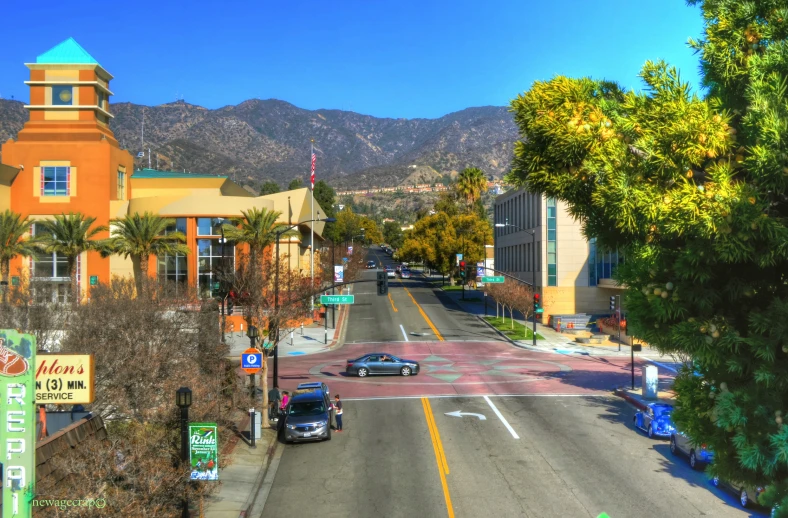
x,y
383,283
537,304
462,269
612,303
230,306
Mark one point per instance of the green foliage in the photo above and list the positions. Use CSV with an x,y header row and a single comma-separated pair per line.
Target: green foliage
x,y
296,183
471,183
693,191
392,234
269,187
13,242
520,331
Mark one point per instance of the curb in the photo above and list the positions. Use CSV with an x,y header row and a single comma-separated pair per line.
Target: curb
x,y
340,327
258,481
520,346
629,399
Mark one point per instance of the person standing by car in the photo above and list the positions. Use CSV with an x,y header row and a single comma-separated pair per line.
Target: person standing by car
x,y
285,399
338,413
274,398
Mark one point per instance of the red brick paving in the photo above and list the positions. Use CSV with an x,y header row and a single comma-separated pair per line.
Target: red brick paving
x,y
479,368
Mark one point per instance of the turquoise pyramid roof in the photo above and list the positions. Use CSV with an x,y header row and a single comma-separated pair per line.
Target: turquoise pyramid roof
x,y
68,52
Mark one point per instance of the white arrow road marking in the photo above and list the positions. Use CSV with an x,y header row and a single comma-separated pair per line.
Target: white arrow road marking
x,y
504,421
404,333
457,413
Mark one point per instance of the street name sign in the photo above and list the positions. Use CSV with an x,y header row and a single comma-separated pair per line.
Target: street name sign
x,y
493,279
337,299
252,361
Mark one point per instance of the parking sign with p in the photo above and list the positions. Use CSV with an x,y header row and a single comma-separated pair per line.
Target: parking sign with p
x,y
252,361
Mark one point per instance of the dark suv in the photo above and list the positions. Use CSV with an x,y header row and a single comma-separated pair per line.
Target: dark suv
x,y
307,417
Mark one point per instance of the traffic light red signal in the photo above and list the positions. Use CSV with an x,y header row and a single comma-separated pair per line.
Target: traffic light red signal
x,y
536,301
462,264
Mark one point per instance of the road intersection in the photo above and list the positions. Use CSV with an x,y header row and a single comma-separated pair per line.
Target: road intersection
x,y
486,428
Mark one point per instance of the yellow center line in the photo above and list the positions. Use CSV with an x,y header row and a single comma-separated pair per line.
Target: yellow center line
x,y
423,314
392,303
440,457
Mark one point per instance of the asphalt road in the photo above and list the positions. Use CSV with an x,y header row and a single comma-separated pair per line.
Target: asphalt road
x,y
375,319
575,456
556,444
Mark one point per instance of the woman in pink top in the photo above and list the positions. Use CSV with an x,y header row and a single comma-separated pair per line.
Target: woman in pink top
x,y
285,399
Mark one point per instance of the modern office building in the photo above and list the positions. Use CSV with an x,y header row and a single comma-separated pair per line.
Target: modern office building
x,y
572,274
67,159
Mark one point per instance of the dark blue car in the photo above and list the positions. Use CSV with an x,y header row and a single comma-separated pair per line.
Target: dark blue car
x,y
655,420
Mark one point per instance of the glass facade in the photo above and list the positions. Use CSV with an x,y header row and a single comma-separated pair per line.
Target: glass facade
x,y
51,270
209,263
209,226
601,263
552,276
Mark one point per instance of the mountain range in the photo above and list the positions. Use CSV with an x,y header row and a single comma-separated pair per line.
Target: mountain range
x,y
260,140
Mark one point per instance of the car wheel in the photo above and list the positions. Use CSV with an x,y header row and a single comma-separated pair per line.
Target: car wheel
x,y
673,448
328,437
405,371
715,482
651,432
362,372
744,500
694,464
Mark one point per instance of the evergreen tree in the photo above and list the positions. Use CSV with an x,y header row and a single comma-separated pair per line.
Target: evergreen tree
x,y
693,190
269,187
297,183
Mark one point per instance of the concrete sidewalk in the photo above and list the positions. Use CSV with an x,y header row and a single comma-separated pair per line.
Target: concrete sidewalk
x,y
311,339
552,341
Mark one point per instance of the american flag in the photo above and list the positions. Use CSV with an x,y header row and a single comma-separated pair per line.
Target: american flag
x,y
313,168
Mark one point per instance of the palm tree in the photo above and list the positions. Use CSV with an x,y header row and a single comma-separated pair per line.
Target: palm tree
x,y
141,236
257,228
471,184
70,235
13,243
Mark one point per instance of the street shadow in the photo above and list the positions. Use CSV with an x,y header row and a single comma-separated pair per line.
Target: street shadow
x,y
619,412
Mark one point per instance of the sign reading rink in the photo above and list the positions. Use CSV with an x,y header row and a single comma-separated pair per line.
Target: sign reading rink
x,y
204,451
64,379
18,434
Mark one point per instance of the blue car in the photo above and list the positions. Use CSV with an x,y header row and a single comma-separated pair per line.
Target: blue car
x,y
655,420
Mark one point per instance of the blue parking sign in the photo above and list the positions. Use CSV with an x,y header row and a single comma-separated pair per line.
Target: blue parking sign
x,y
251,362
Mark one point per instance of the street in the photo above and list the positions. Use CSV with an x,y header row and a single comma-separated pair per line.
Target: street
x,y
486,428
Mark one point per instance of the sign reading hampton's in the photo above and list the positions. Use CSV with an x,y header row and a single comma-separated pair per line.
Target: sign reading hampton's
x,y
204,451
18,434
64,378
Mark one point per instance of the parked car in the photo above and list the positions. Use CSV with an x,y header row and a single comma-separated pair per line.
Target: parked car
x,y
698,455
405,273
655,420
370,265
307,416
381,363
748,495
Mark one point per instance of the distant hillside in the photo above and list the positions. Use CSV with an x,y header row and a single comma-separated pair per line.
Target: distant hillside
x,y
270,139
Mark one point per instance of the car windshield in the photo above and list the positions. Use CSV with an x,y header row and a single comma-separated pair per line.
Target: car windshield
x,y
307,409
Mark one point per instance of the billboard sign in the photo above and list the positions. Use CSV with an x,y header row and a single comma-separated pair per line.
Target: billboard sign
x,y
339,273
18,435
64,379
204,451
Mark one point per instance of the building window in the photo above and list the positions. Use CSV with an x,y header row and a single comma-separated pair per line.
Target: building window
x,y
178,226
209,226
121,185
592,278
100,99
552,276
62,95
55,181
210,266
50,271
174,268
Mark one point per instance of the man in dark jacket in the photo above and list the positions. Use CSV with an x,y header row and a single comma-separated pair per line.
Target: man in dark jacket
x,y
274,399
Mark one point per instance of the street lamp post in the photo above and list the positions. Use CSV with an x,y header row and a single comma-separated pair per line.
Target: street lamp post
x,y
276,290
533,263
222,279
183,399
253,333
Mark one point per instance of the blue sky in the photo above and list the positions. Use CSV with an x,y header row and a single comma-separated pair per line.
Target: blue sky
x,y
385,58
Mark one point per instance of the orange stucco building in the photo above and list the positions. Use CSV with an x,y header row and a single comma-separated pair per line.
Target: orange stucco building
x,y
66,159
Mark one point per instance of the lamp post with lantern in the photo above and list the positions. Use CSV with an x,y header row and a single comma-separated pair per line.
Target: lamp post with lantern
x,y
183,399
